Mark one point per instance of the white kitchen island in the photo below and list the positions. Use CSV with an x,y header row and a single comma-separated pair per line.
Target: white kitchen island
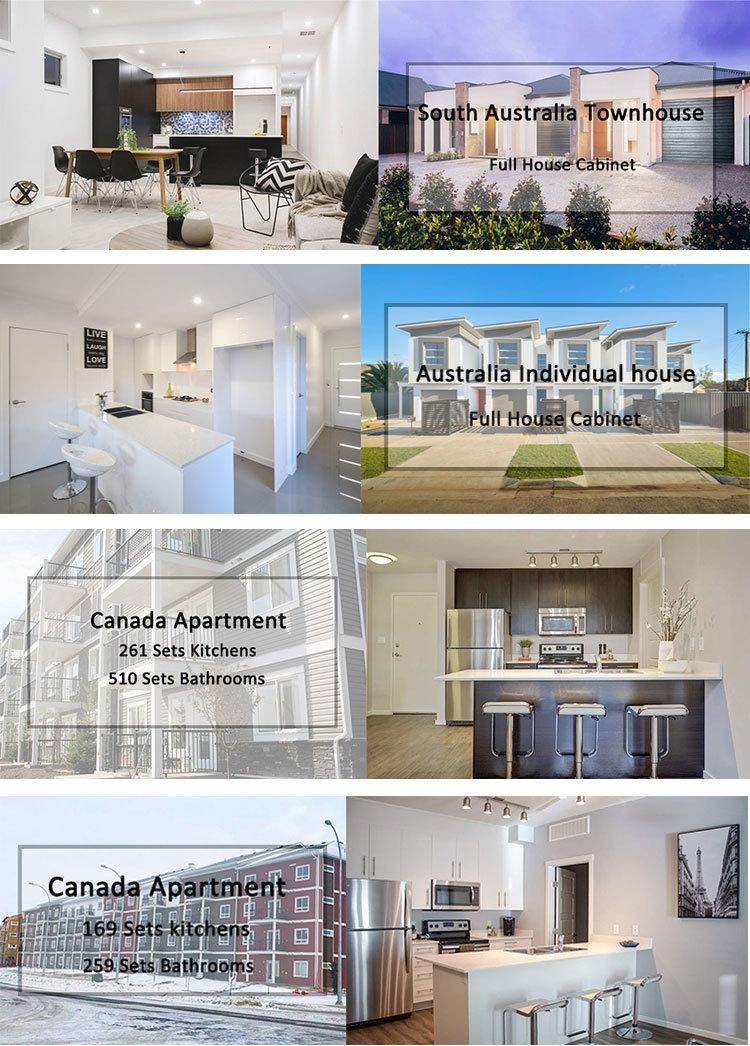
x,y
161,464
472,989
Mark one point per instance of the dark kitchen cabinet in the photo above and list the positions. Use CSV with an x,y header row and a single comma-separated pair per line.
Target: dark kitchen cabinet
x,y
482,589
119,85
562,588
524,602
609,601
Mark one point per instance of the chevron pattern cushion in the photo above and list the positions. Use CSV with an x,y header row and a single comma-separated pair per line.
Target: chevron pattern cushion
x,y
279,175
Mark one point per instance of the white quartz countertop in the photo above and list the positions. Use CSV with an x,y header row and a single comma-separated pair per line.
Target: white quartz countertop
x,y
500,675
470,962
177,442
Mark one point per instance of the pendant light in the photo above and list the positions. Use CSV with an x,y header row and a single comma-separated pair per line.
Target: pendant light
x,y
466,805
487,806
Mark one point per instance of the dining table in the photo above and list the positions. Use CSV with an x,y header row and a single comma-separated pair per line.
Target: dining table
x,y
159,155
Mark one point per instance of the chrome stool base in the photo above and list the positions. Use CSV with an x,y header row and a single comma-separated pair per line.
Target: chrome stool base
x,y
71,489
636,1034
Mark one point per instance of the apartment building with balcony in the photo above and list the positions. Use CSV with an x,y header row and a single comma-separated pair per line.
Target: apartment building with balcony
x,y
291,941
12,659
519,345
306,717
10,938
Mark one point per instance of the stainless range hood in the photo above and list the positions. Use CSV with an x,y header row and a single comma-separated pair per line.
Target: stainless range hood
x,y
190,355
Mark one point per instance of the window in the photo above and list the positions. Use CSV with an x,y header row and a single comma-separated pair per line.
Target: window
x,y
300,967
541,360
302,904
273,908
578,353
225,911
272,585
434,353
5,21
508,353
270,936
328,900
224,942
281,705
328,933
643,354
272,970
674,362
302,871
253,878
53,65
250,939
328,867
301,935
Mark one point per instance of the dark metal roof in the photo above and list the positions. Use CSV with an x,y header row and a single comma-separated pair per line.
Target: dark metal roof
x,y
396,89
550,85
671,74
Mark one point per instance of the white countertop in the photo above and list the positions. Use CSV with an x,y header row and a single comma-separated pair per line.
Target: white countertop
x,y
184,403
177,442
636,675
469,962
201,134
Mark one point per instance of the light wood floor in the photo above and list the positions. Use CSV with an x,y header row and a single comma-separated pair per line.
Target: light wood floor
x,y
418,1030
412,746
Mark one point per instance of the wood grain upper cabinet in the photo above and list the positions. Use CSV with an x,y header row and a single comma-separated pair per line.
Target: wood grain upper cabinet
x,y
195,94
524,602
609,601
482,589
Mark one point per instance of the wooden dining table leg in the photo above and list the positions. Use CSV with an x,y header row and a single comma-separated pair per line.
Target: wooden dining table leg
x,y
69,176
162,182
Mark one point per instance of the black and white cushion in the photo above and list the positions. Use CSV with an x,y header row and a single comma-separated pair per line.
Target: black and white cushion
x,y
279,175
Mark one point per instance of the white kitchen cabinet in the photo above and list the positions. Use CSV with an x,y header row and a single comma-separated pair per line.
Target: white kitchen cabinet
x,y
455,854
416,866
501,874
248,324
192,413
467,855
385,852
172,345
357,848
205,346
146,355
512,875
444,855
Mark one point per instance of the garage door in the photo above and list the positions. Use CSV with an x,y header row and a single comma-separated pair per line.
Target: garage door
x,y
552,137
578,399
509,401
708,141
631,395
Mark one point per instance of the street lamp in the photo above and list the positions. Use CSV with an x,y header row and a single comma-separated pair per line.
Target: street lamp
x,y
339,995
46,924
114,871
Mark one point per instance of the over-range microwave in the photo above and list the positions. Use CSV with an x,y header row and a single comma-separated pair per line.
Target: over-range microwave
x,y
562,621
446,896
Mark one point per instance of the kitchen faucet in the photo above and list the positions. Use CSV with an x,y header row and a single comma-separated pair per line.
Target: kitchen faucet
x,y
558,940
102,398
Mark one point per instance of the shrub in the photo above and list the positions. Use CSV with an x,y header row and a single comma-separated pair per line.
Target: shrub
x,y
527,199
80,754
587,214
482,195
437,193
720,222
450,154
395,185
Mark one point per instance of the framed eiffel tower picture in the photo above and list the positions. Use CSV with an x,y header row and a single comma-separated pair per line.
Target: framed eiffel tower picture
x,y
708,873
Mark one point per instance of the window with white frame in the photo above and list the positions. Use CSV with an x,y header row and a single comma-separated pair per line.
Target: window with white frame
x,y
577,353
643,354
280,706
224,942
328,900
250,939
674,363
6,32
508,353
301,935
541,360
225,911
302,904
272,585
302,871
434,352
272,937
328,933
300,967
272,970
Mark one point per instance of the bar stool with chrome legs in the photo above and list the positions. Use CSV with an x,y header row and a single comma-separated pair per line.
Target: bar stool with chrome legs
x,y
531,1011
72,487
654,713
579,710
634,1031
90,463
510,709
590,998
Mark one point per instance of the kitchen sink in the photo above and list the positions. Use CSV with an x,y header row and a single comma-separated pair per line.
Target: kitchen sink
x,y
123,412
594,671
548,949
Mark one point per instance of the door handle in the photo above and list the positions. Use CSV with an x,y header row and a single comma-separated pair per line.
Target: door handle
x,y
453,869
364,866
459,869
16,402
373,867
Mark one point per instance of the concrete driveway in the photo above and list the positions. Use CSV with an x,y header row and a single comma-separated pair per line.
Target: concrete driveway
x,y
671,190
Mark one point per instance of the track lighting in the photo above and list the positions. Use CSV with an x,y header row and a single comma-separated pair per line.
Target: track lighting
x,y
487,806
553,561
506,811
574,561
466,805
596,562
580,800
532,560
524,815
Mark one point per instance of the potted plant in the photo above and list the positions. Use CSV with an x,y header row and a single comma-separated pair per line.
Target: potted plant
x,y
127,139
525,645
175,213
673,613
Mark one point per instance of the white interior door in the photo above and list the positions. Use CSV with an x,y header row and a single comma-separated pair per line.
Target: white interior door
x,y
345,387
38,395
414,633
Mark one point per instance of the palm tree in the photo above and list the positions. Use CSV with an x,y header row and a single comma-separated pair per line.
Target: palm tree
x,y
382,376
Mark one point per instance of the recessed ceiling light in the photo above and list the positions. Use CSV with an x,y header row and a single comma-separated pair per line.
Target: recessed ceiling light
x,y
95,10
141,51
164,65
299,55
580,800
138,326
308,23
197,2
252,61
381,559
344,315
197,300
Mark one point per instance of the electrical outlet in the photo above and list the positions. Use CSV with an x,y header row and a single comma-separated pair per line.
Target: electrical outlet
x,y
615,928
701,644
635,929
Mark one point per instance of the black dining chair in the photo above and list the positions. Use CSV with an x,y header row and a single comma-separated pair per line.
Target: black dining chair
x,y
126,174
61,165
151,171
186,181
92,176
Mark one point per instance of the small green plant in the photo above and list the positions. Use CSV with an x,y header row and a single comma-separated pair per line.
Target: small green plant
x,y
525,645
80,753
720,223
127,139
395,186
527,199
177,209
483,196
437,193
450,154
587,214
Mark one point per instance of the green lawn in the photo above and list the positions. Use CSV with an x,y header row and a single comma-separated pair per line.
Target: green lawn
x,y
545,461
374,462
710,458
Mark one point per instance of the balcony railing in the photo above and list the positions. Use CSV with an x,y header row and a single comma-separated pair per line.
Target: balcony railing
x,y
131,552
196,543
62,629
60,688
62,573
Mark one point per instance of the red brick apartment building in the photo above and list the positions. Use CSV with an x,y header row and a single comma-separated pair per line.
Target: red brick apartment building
x,y
10,936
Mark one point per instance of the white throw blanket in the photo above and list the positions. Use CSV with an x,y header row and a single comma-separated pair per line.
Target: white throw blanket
x,y
319,191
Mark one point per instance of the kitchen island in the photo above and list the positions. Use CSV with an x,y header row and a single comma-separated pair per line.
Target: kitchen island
x,y
472,989
161,464
546,688
226,155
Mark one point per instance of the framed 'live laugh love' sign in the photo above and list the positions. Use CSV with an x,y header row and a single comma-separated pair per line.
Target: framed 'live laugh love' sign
x,y
95,349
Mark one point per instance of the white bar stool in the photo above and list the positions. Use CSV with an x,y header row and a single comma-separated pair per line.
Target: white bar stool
x,y
510,709
633,1030
579,710
90,463
73,487
531,1010
654,713
590,998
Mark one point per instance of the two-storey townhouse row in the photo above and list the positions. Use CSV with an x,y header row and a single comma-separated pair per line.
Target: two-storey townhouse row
x,y
518,346
290,941
10,940
306,718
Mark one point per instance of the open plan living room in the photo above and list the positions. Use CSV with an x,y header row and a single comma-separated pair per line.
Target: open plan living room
x,y
188,125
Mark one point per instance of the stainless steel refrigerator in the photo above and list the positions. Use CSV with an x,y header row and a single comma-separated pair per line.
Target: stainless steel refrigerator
x,y
378,950
474,639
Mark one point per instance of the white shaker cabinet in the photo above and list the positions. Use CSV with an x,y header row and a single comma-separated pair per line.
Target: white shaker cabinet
x,y
205,346
501,874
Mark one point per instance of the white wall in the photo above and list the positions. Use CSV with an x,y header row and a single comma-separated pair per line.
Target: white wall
x,y
66,111
124,372
338,110
250,110
346,338
289,106
22,94
704,964
248,374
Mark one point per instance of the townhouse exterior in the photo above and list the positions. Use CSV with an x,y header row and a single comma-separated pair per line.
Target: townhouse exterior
x,y
453,343
59,709
291,941
10,939
722,135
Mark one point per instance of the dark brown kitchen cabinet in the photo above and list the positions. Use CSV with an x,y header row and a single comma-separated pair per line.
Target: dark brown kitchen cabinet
x,y
482,589
562,588
524,602
609,601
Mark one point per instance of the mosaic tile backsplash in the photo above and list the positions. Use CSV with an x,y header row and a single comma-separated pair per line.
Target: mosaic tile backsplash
x,y
197,123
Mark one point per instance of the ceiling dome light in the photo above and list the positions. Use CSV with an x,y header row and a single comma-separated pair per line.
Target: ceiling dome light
x,y
197,300
466,804
487,806
95,10
138,326
532,560
344,315
574,561
596,562
506,811
524,815
381,559
580,800
553,561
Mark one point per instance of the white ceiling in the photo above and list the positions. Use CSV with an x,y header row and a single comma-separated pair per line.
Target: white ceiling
x,y
418,550
542,809
271,33
159,297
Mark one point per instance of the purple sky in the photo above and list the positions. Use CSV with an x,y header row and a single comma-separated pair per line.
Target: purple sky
x,y
558,33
